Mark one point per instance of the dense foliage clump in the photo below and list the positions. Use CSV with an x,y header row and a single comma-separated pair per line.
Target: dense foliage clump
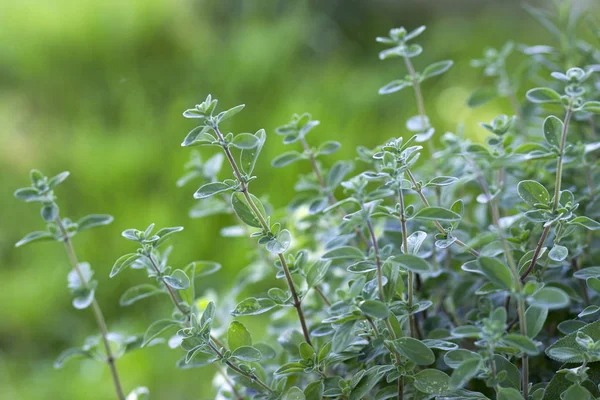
x,y
470,275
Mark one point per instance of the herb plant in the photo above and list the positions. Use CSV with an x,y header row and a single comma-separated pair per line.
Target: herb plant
x,y
468,276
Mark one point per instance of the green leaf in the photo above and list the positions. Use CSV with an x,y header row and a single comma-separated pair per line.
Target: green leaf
x,y
564,353
337,173
243,210
586,223
316,272
561,382
553,128
245,141
558,253
69,354
497,272
523,343
367,382
281,243
248,157
594,284
414,242
343,336
470,331
294,393
550,297
432,381
290,368
394,86
238,336
590,272
123,262
576,392
374,308
413,263
505,393
329,147
28,194
535,318
208,316
464,372
414,350
49,212
58,179
441,181
286,159
225,115
35,237
138,292
589,310
195,135
156,328
253,306
324,352
344,252
314,390
567,349
436,214
210,189
306,351
533,192
93,220
165,233
436,68
481,96
177,280
247,354
455,358
543,95
591,106
188,296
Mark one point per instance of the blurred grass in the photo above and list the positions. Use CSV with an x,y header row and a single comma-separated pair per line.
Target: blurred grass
x,y
97,88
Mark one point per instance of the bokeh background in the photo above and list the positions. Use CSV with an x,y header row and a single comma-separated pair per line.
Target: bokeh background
x,y
98,88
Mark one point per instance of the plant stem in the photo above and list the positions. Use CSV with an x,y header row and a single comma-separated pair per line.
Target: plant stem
x,y
382,295
559,162
436,223
377,260
411,275
110,359
172,293
557,184
250,376
417,89
266,228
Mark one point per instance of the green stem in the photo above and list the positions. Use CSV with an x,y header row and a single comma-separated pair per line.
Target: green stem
x,y
266,228
411,275
170,290
110,359
557,185
377,260
250,376
417,89
559,162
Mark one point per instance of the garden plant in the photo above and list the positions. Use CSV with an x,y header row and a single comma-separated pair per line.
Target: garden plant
x,y
429,267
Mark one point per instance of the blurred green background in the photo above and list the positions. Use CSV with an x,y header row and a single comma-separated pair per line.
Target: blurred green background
x,y
98,88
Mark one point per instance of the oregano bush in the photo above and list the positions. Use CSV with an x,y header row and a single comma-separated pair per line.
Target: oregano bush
x,y
429,267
